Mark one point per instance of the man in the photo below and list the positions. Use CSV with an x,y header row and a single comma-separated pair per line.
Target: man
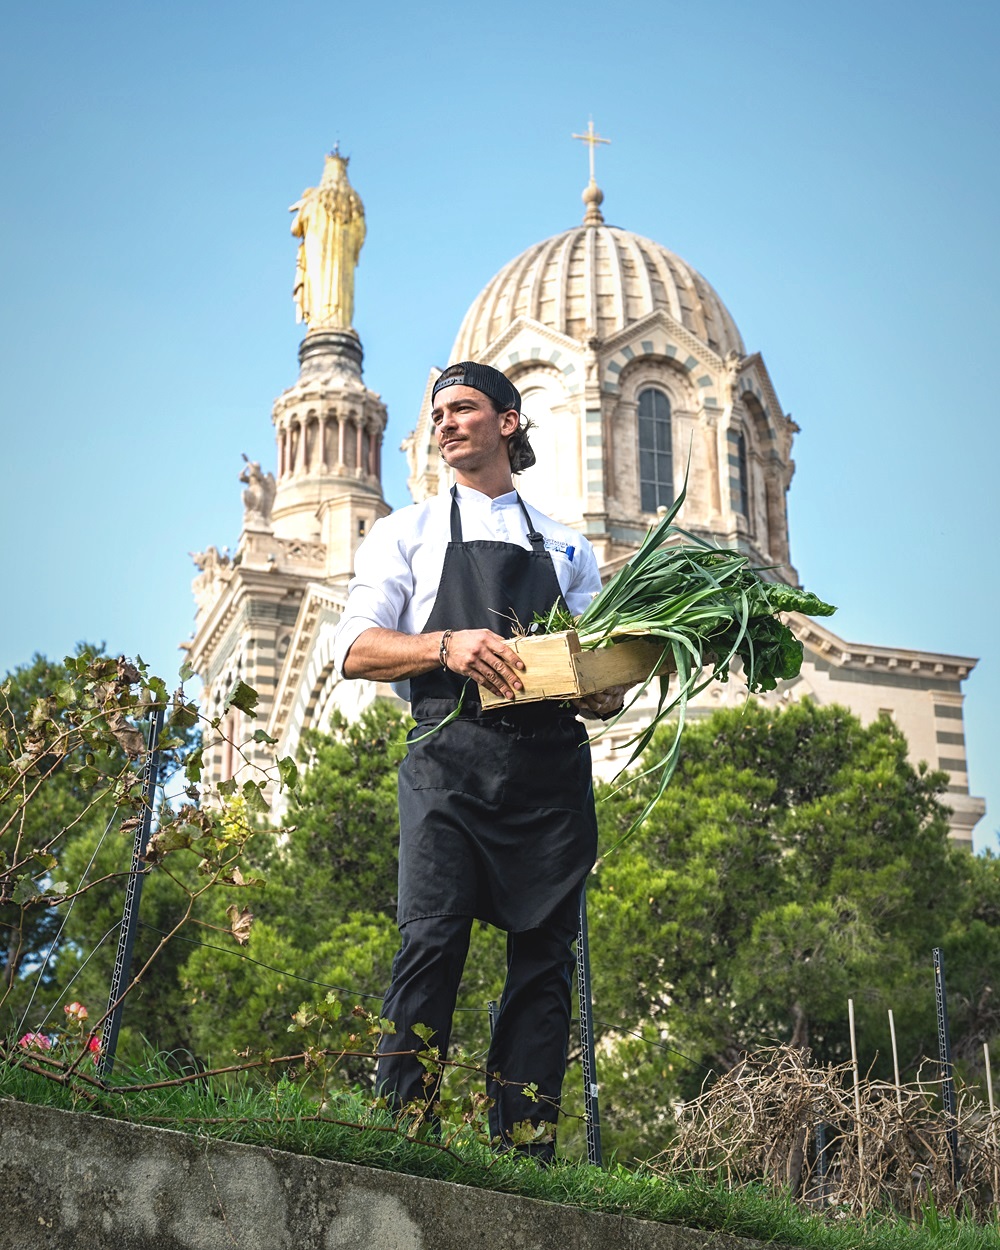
x,y
495,807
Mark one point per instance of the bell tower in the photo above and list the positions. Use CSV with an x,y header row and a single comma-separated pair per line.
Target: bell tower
x,y
329,428
260,606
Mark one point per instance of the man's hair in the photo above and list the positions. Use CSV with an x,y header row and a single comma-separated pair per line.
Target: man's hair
x,y
503,395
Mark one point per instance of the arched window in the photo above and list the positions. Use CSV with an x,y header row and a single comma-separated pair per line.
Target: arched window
x,y
656,456
739,480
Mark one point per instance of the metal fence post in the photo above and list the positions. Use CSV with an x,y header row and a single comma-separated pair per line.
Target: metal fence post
x,y
947,1071
587,1038
133,892
822,1163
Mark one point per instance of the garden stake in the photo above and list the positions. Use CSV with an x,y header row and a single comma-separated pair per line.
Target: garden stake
x,y
895,1062
944,1055
993,1122
857,1108
133,892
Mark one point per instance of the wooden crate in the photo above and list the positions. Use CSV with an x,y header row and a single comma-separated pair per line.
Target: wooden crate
x,y
556,667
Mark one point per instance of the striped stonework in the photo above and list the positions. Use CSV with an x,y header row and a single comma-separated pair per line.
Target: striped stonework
x,y
702,383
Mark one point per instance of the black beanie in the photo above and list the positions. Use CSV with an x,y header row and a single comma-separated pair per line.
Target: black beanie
x,y
491,382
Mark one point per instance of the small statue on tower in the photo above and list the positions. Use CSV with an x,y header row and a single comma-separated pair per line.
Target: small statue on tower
x,y
330,221
214,569
258,498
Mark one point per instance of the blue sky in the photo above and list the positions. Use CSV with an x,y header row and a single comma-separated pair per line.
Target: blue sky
x,y
832,171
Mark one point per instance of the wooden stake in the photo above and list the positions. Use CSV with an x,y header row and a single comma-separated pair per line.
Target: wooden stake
x,y
857,1109
895,1061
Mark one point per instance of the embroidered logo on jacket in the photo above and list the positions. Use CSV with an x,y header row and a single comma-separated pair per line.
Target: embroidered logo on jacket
x,y
564,549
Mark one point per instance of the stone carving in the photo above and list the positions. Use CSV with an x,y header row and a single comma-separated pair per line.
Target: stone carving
x,y
302,549
590,361
214,570
733,365
258,498
330,221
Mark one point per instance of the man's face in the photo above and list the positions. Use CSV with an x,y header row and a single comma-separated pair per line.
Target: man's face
x,y
471,434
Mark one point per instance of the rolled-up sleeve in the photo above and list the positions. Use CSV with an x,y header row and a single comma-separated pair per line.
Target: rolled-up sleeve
x,y
379,591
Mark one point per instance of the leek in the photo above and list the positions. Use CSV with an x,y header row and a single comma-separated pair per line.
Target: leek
x,y
709,606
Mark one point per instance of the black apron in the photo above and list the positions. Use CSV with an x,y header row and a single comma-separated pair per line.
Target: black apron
x,y
496,809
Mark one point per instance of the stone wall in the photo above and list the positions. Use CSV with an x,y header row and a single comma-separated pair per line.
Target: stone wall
x,y
78,1180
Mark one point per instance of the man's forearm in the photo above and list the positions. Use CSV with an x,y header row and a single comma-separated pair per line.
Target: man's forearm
x,y
386,655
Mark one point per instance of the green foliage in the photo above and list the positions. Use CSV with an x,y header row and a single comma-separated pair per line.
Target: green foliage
x,y
340,856
74,766
242,697
972,957
234,1005
328,912
796,860
197,848
49,783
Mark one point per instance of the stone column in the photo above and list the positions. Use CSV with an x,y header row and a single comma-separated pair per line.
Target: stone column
x,y
710,425
757,490
308,443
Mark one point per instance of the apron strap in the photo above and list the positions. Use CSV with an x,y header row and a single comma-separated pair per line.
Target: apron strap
x,y
536,539
456,517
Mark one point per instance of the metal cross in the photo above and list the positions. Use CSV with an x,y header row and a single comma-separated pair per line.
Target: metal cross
x,y
591,140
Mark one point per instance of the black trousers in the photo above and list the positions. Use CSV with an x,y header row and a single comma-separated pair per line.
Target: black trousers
x,y
531,1036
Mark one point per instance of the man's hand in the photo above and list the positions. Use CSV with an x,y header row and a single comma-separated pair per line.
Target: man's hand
x,y
602,703
486,658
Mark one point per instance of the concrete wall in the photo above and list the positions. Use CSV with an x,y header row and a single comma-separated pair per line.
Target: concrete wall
x,y
79,1180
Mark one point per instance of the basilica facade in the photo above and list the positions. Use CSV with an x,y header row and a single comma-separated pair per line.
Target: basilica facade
x,y
634,375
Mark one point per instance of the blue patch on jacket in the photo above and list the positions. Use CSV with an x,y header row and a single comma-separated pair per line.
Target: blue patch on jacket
x,y
553,544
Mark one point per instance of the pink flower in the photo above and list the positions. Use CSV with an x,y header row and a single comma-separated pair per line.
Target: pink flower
x,y
35,1041
94,1045
76,1011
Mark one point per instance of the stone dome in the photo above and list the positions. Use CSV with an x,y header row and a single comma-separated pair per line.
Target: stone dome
x,y
595,280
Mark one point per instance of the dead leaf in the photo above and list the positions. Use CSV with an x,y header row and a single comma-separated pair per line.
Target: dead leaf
x,y
127,736
240,923
127,671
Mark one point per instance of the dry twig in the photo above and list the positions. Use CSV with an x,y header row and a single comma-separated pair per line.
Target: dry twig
x,y
779,1118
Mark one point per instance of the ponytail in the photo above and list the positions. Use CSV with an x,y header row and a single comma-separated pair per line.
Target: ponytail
x,y
519,449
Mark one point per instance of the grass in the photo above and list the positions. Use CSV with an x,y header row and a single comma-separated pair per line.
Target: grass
x,y
283,1117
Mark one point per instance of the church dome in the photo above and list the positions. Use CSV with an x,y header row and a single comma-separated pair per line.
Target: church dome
x,y
596,280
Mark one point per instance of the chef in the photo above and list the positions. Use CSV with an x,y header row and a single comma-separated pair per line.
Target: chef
x,y
496,807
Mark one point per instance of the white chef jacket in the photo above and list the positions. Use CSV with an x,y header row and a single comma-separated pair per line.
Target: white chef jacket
x,y
398,567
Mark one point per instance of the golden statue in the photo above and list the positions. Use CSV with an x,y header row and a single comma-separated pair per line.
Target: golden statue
x,y
330,221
